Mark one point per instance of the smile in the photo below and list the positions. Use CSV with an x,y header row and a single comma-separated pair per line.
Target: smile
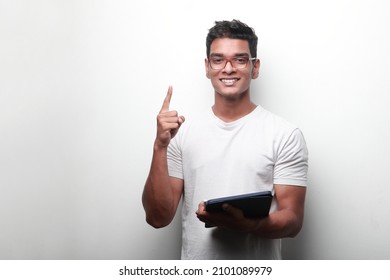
x,y
229,81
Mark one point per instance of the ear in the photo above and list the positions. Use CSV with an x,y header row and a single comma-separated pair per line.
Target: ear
x,y
256,69
207,66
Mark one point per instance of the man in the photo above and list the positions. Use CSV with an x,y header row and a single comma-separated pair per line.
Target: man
x,y
238,147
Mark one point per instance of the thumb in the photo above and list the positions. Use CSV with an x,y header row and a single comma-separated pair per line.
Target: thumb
x,y
181,120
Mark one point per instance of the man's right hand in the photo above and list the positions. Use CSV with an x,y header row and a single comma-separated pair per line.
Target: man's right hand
x,y
168,122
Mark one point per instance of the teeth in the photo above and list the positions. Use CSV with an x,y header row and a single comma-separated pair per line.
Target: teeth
x,y
228,81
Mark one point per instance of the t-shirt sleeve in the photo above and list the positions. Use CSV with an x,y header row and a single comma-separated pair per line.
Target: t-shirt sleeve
x,y
292,161
174,157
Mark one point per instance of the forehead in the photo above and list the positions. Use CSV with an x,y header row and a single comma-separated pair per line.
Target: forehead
x,y
229,47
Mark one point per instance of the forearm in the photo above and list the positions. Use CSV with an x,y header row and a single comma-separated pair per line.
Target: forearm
x,y
158,198
280,224
287,221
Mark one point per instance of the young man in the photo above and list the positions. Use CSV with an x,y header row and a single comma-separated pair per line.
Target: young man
x,y
238,147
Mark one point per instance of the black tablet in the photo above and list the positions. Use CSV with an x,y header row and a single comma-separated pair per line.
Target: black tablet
x,y
254,205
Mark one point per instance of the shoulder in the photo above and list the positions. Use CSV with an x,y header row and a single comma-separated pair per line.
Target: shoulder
x,y
281,130
274,119
274,124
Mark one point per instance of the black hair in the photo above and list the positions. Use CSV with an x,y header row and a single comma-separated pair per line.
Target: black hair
x,y
234,29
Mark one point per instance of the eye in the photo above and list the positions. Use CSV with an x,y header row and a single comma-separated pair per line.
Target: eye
x,y
241,60
217,60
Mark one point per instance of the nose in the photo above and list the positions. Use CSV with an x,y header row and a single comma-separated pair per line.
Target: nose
x,y
228,67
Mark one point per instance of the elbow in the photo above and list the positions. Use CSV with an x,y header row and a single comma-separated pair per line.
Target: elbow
x,y
295,230
155,217
157,222
158,216
294,233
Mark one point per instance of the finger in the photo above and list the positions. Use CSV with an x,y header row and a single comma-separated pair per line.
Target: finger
x,y
235,212
161,121
169,114
167,101
201,208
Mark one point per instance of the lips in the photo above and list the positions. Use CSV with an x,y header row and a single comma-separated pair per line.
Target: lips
x,y
229,81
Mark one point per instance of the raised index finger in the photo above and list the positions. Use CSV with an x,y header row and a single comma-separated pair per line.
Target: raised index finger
x,y
167,101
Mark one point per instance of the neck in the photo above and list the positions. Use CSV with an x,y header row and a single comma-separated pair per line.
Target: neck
x,y
229,109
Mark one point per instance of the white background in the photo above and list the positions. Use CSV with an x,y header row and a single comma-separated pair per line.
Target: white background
x,y
82,81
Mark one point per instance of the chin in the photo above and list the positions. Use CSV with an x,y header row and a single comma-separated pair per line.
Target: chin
x,y
233,94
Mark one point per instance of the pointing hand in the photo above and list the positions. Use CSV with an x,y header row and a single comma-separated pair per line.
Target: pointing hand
x,y
168,122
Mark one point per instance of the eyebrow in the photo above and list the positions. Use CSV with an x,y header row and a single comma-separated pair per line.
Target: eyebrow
x,y
236,55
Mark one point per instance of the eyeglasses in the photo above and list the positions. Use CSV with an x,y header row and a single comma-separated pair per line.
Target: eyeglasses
x,y
238,62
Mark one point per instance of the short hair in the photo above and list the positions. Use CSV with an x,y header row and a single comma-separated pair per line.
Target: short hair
x,y
234,29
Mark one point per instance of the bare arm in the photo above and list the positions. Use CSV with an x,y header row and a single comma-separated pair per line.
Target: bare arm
x,y
162,193
285,222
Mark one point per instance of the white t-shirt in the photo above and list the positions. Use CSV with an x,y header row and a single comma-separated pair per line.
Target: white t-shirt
x,y
218,159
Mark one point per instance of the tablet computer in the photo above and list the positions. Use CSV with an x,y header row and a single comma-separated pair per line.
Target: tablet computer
x,y
253,205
